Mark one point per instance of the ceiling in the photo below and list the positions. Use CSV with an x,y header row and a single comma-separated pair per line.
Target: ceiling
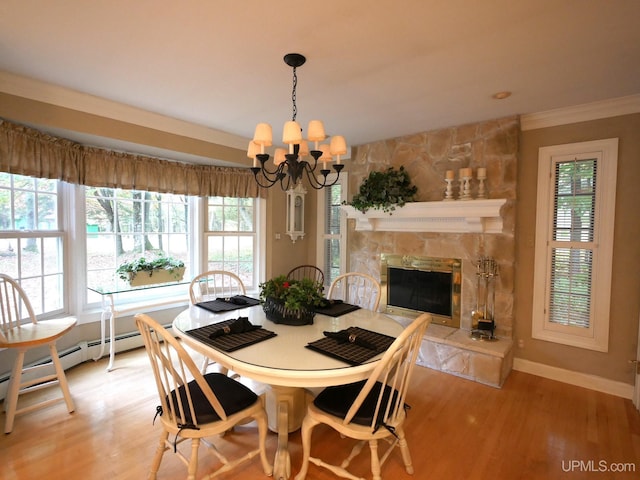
x,y
375,69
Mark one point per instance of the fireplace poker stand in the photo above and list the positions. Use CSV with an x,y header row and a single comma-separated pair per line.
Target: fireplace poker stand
x,y
482,318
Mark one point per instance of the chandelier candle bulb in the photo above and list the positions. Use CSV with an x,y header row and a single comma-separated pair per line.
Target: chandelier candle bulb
x,y
303,151
326,155
252,151
338,147
279,156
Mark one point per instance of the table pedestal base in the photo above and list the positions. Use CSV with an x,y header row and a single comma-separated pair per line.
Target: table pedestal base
x,y
286,407
296,407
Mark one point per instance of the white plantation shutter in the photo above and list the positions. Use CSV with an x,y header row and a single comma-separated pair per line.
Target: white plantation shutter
x,y
575,216
572,244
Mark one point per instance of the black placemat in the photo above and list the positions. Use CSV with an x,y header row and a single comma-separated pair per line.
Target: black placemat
x,y
220,305
336,309
231,342
349,352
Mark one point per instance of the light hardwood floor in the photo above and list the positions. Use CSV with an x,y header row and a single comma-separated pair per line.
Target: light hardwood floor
x,y
532,428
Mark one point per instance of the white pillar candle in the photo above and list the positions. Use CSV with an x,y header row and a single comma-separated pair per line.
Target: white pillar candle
x,y
450,175
482,172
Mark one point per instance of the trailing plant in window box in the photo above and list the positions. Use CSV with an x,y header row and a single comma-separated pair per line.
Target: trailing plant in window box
x,y
142,270
384,191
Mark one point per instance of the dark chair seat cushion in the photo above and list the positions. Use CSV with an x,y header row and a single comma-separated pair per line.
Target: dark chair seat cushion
x,y
232,395
338,400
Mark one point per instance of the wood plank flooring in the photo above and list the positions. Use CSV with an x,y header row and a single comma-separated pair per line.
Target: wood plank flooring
x,y
532,428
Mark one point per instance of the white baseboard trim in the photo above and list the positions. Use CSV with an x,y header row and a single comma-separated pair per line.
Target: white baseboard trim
x,y
578,379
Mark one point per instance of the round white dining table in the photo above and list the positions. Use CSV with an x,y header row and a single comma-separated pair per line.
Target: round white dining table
x,y
284,363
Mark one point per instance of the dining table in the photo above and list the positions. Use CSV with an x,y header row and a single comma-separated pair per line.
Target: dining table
x,y
289,360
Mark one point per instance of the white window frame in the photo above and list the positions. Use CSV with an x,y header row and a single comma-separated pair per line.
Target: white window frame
x,y
72,231
320,225
40,235
596,336
259,241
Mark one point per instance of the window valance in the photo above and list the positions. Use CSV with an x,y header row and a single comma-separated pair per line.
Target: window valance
x,y
27,151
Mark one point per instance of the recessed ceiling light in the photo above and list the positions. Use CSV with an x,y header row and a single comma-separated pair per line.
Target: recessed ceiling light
x,y
501,95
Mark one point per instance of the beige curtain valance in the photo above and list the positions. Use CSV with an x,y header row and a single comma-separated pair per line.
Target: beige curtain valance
x,y
26,151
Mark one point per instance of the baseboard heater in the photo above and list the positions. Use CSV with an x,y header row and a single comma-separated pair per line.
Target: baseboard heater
x,y
80,353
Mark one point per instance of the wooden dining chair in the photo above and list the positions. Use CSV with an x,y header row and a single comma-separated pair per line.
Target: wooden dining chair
x,y
357,289
370,410
211,285
306,271
21,331
194,406
215,283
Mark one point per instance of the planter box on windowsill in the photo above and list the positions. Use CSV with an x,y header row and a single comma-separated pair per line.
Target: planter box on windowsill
x,y
153,277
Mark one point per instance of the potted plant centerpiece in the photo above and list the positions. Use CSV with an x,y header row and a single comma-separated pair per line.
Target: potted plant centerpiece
x,y
143,271
291,302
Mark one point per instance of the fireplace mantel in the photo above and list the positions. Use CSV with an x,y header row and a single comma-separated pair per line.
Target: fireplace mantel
x,y
457,216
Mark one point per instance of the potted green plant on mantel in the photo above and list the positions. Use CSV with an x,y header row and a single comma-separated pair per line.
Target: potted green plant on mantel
x,y
290,302
143,271
384,191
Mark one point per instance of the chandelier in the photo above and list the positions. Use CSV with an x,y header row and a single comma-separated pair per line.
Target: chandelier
x,y
290,166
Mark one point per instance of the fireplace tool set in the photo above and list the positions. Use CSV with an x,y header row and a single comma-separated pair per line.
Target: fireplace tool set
x,y
482,318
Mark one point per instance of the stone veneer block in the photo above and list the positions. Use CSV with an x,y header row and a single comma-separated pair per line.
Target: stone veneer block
x,y
453,351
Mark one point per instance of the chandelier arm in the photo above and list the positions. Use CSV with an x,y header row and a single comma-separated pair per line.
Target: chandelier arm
x,y
316,184
285,186
263,158
315,154
270,182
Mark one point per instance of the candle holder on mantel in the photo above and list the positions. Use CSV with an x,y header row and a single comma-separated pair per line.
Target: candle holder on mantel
x,y
448,193
465,183
482,177
466,188
483,324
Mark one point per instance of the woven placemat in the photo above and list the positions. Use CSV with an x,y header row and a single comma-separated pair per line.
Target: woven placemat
x,y
220,305
349,352
230,342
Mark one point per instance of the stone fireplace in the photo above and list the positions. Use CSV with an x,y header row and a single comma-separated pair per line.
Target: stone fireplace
x,y
459,229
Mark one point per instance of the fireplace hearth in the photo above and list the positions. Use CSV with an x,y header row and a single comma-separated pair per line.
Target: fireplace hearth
x,y
412,285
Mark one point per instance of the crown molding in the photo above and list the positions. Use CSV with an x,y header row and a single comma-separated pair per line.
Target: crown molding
x,y
67,98
581,113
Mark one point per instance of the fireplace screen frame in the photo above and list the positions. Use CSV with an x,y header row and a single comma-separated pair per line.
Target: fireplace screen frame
x,y
424,264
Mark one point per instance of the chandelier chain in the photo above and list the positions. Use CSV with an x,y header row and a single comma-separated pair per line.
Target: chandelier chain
x,y
293,95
